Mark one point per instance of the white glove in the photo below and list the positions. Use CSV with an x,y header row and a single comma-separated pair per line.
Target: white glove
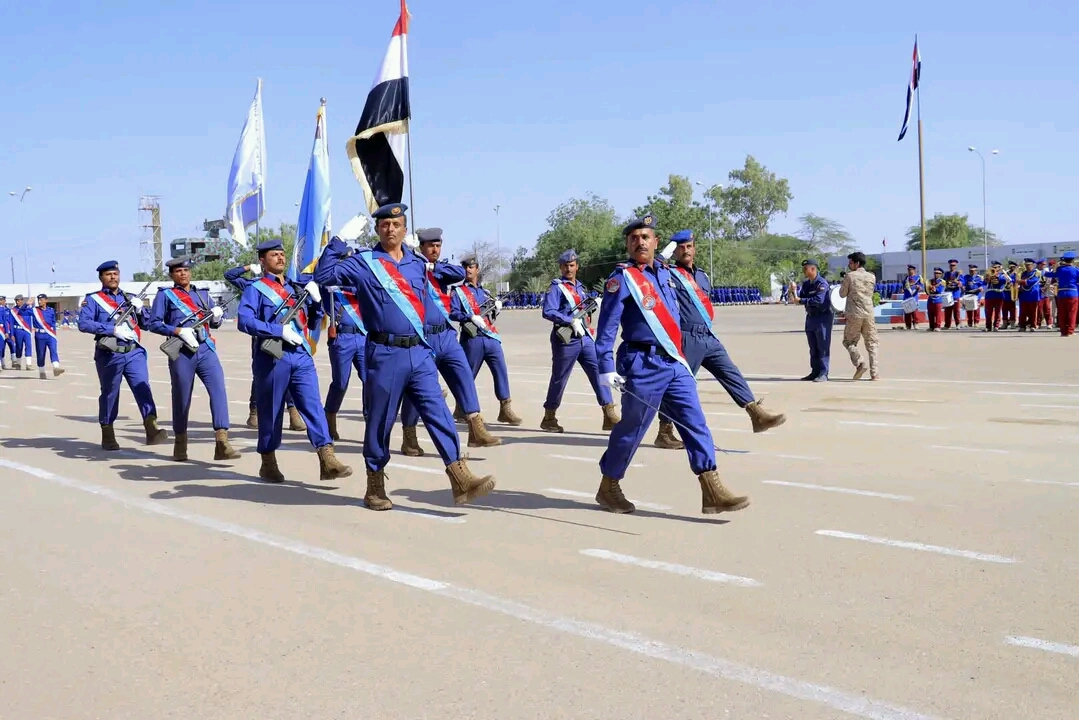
x,y
412,241
478,321
137,303
217,312
188,336
668,251
614,380
123,332
289,335
430,267
578,327
498,305
254,269
313,292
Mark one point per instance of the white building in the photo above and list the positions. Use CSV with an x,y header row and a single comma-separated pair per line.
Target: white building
x,y
894,264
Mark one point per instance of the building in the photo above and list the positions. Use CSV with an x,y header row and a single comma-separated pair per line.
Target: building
x,y
69,296
893,265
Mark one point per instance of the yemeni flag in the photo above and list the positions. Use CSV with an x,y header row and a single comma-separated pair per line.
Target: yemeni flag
x,y
377,150
912,86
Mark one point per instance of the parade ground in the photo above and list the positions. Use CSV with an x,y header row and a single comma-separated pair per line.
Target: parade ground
x,y
910,550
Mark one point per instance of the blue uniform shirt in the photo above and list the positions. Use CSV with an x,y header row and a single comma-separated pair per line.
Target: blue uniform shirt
x,y
7,324
953,283
334,305
973,284
620,309
458,311
1067,281
95,320
557,308
814,295
235,277
687,310
444,275
912,286
1030,286
50,318
937,288
995,286
257,314
166,318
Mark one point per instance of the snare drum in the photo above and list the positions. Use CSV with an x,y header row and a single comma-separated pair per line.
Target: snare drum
x,y
970,303
948,300
910,305
838,304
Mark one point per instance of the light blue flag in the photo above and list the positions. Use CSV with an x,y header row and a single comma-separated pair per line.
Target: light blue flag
x,y
313,227
248,173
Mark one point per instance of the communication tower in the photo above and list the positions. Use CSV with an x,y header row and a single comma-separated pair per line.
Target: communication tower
x,y
150,252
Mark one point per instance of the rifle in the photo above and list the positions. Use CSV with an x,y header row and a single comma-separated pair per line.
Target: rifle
x,y
125,310
486,309
275,347
586,307
173,345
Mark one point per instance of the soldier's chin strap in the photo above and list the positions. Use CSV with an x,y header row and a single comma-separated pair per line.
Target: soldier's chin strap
x,y
620,386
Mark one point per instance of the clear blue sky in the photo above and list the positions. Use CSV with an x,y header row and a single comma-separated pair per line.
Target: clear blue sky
x,y
525,105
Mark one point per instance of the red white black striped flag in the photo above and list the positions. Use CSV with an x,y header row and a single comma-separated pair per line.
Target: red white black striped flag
x,y
912,86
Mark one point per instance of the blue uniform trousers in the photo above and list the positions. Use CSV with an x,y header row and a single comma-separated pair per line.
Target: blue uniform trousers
x,y
703,349
8,345
113,367
22,343
207,366
347,351
482,349
293,373
394,373
252,404
664,383
452,364
43,342
580,350
819,334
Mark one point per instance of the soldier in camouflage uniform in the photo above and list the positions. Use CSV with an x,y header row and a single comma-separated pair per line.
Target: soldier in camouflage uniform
x,y
858,286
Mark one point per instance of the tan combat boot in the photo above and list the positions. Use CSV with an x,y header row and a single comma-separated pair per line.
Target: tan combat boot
x,y
253,419
716,498
295,422
223,449
610,417
506,414
57,371
459,414
375,498
269,470
860,371
331,424
179,447
154,434
478,435
410,444
550,422
666,439
465,486
762,419
611,499
329,467
108,438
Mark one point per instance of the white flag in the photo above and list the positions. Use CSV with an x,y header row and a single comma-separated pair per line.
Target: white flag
x,y
247,176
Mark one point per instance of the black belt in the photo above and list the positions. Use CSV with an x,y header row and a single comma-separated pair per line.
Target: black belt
x,y
401,341
436,329
348,330
648,348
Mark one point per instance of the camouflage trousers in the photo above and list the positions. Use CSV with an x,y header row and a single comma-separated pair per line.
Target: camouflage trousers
x,y
866,329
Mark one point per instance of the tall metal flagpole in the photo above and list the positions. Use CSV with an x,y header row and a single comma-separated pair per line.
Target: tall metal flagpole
x,y
921,164
411,199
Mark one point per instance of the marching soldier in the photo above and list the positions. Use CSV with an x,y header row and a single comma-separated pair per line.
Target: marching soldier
x,y
813,294
449,355
263,306
935,303
7,342
1030,296
22,316
119,354
346,347
182,311
912,288
572,341
996,288
1067,279
953,284
700,343
390,281
235,277
44,321
1012,295
479,336
857,287
973,283
651,370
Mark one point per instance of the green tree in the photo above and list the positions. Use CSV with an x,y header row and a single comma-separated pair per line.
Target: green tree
x,y
825,236
947,231
675,209
754,196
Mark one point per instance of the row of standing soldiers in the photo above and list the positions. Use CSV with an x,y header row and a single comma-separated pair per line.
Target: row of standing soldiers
x,y
25,324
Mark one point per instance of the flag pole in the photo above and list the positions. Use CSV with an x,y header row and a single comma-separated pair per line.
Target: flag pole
x,y
411,200
921,165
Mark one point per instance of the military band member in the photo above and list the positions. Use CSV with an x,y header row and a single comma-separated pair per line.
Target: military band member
x,y
935,303
1067,281
639,297
973,284
22,316
1010,297
449,355
391,283
44,322
347,348
7,330
127,362
235,277
913,287
814,296
180,311
996,288
1030,296
1045,306
263,306
572,341
479,336
953,283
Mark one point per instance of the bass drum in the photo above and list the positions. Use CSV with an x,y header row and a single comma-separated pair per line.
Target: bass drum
x,y
838,304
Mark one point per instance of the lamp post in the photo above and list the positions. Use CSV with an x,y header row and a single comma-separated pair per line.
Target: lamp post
x,y
985,227
711,238
25,254
498,250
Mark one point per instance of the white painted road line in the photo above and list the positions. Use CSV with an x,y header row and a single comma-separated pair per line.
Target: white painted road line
x,y
8,387
919,546
86,397
1057,407
592,496
1047,646
45,392
1051,482
855,704
686,570
578,458
891,425
38,407
1026,394
969,450
846,491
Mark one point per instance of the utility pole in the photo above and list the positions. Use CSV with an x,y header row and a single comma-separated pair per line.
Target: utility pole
x,y
498,250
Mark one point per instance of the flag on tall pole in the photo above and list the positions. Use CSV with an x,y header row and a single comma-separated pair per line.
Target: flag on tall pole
x,y
313,227
912,87
377,149
248,173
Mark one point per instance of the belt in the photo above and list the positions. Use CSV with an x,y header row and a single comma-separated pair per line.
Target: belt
x,y
401,341
436,329
649,349
348,330
121,350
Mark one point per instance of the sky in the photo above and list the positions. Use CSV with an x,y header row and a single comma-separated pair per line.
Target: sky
x,y
526,105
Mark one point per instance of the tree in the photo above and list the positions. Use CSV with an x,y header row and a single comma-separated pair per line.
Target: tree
x,y
753,198
492,261
825,236
675,209
947,231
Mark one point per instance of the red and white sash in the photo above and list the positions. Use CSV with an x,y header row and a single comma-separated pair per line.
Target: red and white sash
x,y
655,313
569,291
49,330
109,303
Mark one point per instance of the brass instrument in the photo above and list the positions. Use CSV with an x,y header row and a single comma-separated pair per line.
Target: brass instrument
x,y
1014,286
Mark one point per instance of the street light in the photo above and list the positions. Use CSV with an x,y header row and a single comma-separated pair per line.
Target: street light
x,y
25,254
498,251
711,239
985,227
